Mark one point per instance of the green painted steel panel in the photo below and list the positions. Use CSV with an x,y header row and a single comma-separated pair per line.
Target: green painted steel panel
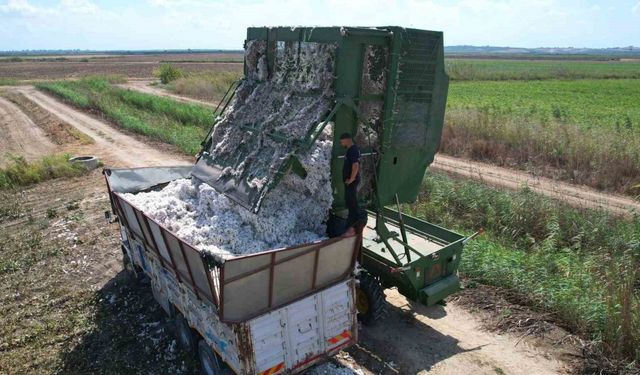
x,y
413,101
390,91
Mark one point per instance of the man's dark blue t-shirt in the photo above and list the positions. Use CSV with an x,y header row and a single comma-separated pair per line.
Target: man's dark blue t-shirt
x,y
352,156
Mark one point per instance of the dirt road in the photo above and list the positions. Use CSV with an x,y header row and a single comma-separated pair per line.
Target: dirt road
x,y
450,340
111,145
579,196
19,135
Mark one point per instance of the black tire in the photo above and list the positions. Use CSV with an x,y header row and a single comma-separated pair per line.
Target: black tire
x,y
210,363
134,274
370,299
186,339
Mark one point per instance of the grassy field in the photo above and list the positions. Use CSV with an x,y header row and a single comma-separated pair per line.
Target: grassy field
x,y
21,173
584,266
181,124
209,86
506,69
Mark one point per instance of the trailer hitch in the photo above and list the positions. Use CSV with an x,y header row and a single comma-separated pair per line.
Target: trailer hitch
x,y
476,234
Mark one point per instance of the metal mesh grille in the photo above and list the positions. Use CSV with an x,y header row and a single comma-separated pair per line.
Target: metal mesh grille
x,y
415,87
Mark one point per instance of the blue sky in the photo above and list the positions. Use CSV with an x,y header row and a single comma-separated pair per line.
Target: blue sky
x,y
177,24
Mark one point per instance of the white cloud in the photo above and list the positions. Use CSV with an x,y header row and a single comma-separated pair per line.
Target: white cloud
x,y
636,8
222,23
23,7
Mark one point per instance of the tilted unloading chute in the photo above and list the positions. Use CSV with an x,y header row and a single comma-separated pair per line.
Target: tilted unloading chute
x,y
386,85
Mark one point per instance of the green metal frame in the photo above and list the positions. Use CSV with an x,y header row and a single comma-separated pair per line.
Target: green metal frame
x,y
414,101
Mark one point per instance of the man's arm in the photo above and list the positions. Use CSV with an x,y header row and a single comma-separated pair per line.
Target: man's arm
x,y
355,167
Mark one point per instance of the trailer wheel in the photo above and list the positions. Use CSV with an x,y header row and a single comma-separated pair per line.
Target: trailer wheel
x,y
370,299
186,339
210,363
132,273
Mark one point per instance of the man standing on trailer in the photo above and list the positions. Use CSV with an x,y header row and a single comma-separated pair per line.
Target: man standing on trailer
x,y
351,177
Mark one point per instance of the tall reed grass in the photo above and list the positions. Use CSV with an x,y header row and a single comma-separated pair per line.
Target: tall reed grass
x,y
581,264
600,157
208,86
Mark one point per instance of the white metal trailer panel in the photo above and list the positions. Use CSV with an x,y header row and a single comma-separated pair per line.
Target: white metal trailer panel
x,y
294,336
286,340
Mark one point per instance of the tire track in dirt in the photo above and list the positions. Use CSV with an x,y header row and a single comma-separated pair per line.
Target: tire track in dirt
x,y
19,135
575,195
450,340
111,145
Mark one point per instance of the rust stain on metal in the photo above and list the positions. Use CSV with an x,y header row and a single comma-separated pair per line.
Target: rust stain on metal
x,y
245,346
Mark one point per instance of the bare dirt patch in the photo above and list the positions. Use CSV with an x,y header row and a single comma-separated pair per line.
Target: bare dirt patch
x,y
65,306
415,339
60,132
19,136
132,66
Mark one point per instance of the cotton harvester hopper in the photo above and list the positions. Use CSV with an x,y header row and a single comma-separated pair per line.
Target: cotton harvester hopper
x,y
387,86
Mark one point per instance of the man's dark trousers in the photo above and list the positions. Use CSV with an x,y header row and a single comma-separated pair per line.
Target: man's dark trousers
x,y
351,200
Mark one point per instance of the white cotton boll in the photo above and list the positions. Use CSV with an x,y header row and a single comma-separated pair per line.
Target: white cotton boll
x,y
296,210
293,213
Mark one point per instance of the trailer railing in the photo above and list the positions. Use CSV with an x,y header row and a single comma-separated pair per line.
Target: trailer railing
x,y
242,287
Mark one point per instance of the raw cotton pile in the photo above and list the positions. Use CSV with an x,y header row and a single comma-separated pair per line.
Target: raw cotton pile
x,y
293,213
272,113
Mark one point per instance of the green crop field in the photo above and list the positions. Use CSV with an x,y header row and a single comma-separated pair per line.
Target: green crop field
x,y
505,69
583,131
582,102
181,124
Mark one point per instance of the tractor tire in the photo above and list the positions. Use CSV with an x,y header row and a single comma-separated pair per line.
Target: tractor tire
x,y
210,363
370,299
186,339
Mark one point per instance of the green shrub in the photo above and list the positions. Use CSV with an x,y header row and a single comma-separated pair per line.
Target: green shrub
x,y
168,73
8,81
19,172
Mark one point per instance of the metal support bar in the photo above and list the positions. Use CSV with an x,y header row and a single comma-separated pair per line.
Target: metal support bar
x,y
407,246
315,133
186,262
402,230
271,276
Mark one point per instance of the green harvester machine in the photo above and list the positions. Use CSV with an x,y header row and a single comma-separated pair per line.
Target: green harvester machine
x,y
390,91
